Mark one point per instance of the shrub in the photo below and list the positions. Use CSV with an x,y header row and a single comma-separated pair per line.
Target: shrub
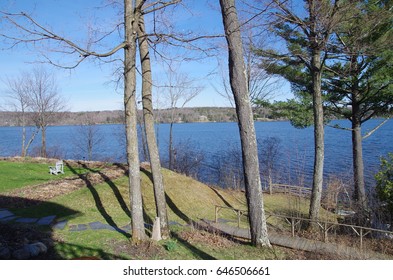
x,y
384,180
171,245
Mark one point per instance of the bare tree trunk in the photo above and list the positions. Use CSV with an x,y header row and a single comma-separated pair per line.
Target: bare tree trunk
x,y
357,149
43,141
27,146
143,139
358,166
138,229
90,144
170,145
23,117
148,117
23,153
238,81
319,146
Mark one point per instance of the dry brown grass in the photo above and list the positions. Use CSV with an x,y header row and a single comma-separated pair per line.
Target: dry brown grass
x,y
213,240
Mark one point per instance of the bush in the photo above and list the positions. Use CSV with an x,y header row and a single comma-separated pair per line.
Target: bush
x,y
384,180
171,245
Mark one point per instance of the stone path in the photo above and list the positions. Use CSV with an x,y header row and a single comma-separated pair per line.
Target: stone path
x,y
7,216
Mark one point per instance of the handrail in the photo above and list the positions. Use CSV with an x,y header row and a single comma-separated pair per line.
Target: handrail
x,y
297,190
293,221
239,213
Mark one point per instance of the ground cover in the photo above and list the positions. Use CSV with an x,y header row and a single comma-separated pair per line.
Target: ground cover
x,y
104,199
15,175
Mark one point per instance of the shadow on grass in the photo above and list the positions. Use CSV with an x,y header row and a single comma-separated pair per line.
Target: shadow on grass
x,y
194,250
169,201
114,188
146,216
98,201
35,208
222,198
15,235
77,252
176,210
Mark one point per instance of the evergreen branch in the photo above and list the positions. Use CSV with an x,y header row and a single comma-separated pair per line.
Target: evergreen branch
x,y
337,126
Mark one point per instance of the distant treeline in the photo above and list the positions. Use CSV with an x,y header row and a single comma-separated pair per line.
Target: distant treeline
x,y
197,114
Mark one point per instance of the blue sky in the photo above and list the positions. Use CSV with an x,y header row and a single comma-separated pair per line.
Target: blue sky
x,y
88,87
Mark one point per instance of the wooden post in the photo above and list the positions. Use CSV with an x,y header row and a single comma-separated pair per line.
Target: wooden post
x,y
361,239
216,215
293,227
238,218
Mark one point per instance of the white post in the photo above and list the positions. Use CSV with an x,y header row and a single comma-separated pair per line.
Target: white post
x,y
156,234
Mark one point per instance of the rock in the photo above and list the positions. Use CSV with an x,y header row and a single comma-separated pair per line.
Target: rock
x,y
36,248
29,251
5,253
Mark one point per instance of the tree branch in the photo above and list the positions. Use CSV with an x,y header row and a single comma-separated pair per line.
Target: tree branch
x,y
368,134
163,5
43,33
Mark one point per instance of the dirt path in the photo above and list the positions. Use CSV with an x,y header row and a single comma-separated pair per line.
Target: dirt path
x,y
36,194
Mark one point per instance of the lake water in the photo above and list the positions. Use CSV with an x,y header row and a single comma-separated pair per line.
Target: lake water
x,y
214,140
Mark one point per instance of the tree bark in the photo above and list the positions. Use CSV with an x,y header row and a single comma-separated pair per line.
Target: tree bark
x,y
357,149
238,81
43,141
358,166
148,117
33,135
170,146
23,153
130,108
319,145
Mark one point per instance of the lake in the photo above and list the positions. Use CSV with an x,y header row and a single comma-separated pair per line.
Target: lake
x,y
219,142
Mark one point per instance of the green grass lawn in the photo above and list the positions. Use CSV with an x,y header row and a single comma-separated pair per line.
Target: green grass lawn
x,y
108,203
15,175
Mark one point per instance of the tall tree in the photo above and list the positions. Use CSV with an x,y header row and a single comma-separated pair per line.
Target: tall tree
x,y
44,100
131,18
359,81
17,94
148,117
30,31
178,91
238,81
306,33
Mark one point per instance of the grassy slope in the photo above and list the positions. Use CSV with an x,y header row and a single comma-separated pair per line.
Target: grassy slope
x,y
187,199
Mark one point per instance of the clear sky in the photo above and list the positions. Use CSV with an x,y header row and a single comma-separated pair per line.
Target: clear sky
x,y
90,86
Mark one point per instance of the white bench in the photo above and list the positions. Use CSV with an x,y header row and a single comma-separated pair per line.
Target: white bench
x,y
58,168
